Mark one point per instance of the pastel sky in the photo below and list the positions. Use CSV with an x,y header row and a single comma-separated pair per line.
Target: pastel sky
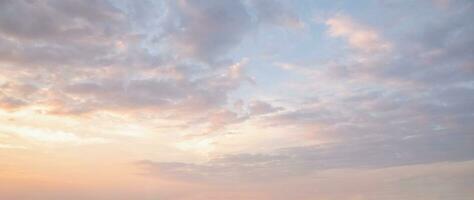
x,y
236,100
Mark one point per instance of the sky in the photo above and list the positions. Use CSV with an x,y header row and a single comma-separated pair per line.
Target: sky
x,y
236,99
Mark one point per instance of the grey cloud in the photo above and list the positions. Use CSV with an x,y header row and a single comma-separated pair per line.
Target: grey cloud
x,y
261,107
307,116
208,29
438,51
423,85
275,12
89,33
58,20
176,93
371,153
378,152
59,33
132,93
96,53
383,112
433,50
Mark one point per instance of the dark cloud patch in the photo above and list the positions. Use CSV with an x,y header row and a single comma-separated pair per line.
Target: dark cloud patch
x,y
260,108
58,20
207,30
59,33
277,13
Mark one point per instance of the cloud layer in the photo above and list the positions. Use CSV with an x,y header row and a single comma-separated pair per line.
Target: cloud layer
x,y
236,99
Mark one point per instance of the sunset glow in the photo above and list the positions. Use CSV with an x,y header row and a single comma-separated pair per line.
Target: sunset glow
x,y
236,100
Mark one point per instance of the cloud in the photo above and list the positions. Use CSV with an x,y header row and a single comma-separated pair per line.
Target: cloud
x,y
207,30
202,93
277,13
9,103
422,55
435,49
51,136
370,153
394,112
66,19
358,36
260,108
52,33
93,56
15,96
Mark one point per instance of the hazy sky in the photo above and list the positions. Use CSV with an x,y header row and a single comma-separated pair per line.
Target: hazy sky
x,y
236,100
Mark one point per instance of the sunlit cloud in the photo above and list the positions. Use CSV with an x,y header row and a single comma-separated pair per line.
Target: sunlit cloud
x,y
358,36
